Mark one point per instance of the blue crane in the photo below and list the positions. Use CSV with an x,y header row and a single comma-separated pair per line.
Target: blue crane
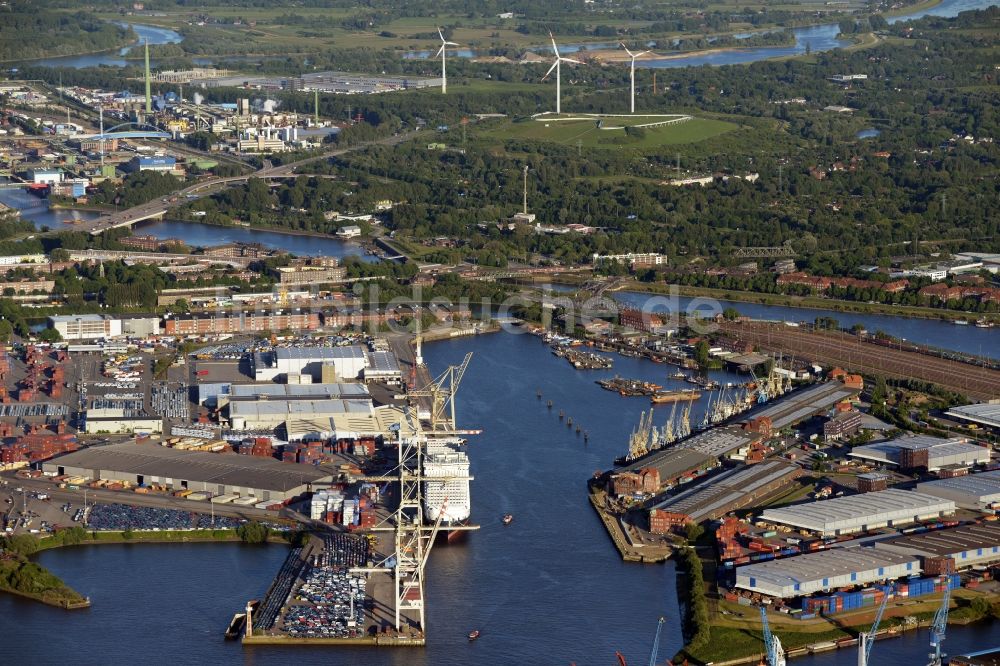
x,y
940,625
775,653
656,642
867,639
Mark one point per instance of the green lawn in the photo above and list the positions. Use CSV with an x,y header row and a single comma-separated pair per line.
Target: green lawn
x,y
587,133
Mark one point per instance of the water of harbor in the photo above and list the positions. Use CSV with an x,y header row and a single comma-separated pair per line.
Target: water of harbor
x,y
932,332
206,235
36,209
549,589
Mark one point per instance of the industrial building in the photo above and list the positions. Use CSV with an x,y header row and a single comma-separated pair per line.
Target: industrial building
x,y
299,275
986,414
348,363
304,408
383,367
975,491
858,513
118,425
924,452
165,164
966,546
731,490
216,473
86,326
671,466
825,570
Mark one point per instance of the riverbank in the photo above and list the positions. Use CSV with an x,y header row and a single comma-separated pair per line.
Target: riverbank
x,y
23,578
256,227
802,302
912,9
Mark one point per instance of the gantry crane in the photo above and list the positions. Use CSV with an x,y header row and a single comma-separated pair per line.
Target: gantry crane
x,y
939,626
775,653
441,392
866,639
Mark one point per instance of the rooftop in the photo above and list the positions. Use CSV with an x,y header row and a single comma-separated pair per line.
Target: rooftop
x,y
344,390
856,510
822,564
946,543
987,414
150,460
985,485
722,491
320,353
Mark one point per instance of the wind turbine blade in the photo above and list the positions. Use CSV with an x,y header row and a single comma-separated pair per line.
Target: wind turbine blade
x,y
554,47
439,51
455,44
550,70
626,49
440,34
639,55
571,60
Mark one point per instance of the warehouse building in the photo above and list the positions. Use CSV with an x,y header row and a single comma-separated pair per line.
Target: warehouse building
x,y
965,546
924,452
216,473
670,466
348,363
977,491
859,513
240,322
824,570
383,367
985,415
303,411
118,425
729,491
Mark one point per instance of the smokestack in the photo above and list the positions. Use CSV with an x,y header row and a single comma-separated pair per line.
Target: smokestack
x,y
149,97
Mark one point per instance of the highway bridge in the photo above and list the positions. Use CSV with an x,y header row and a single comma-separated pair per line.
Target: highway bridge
x,y
158,208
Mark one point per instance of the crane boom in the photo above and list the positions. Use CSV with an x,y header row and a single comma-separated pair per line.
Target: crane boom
x,y
940,625
775,653
867,639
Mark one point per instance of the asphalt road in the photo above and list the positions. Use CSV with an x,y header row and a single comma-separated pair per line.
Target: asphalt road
x,y
207,187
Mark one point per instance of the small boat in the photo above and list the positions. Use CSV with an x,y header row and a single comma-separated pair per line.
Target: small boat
x,y
507,519
474,634
680,374
982,323
961,322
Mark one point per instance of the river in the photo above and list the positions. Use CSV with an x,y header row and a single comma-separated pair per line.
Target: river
x,y
147,33
815,38
37,210
548,589
932,332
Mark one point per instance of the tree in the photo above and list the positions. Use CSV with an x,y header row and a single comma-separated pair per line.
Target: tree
x,y
693,531
6,330
21,544
701,353
50,335
253,532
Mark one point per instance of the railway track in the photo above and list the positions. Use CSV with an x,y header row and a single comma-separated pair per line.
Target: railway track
x,y
835,348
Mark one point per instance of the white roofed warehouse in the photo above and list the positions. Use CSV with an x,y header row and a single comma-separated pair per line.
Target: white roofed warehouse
x,y
979,492
859,513
925,452
825,570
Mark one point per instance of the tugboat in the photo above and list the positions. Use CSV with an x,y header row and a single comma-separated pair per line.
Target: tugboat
x,y
473,635
507,519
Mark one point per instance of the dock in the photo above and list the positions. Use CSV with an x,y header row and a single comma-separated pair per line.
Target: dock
x,y
629,549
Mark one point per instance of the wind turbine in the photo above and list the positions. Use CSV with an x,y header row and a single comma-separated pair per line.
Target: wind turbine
x,y
442,52
631,75
556,66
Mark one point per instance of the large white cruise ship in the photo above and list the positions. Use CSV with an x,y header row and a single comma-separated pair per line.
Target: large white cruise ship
x,y
446,460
